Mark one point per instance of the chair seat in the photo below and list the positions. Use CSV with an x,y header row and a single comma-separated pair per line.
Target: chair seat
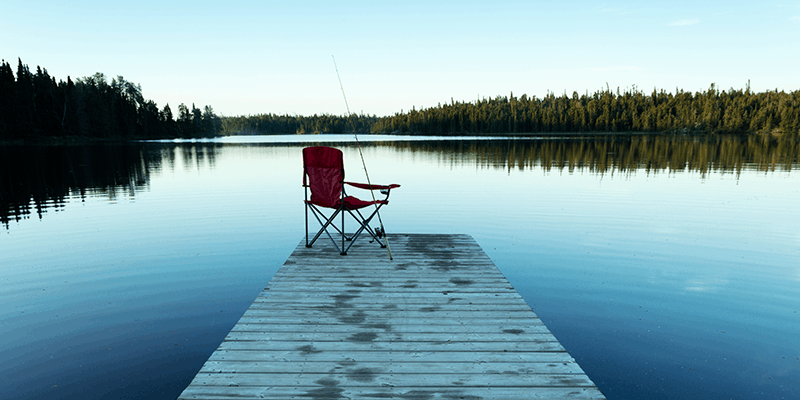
x,y
351,203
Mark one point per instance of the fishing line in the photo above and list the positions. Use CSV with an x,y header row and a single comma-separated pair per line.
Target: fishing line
x,y
363,163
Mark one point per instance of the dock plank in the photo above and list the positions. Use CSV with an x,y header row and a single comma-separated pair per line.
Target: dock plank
x,y
439,321
283,358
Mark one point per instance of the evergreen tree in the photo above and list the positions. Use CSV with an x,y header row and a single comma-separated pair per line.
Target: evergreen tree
x,y
210,122
184,121
27,125
197,122
8,121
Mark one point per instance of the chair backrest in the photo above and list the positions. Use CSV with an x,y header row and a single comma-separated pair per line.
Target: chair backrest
x,y
324,168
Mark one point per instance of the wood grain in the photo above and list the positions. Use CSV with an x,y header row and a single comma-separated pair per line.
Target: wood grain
x,y
439,321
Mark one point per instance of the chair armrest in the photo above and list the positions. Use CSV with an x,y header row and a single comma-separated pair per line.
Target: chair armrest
x,y
373,187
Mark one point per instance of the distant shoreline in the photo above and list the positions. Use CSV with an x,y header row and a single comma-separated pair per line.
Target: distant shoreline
x,y
69,140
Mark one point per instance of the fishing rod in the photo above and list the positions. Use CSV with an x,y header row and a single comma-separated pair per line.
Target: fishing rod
x,y
363,163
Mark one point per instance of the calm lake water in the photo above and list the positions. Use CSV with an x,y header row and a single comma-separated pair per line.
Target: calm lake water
x,y
669,268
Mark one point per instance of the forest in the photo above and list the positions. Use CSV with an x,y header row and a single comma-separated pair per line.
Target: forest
x,y
34,107
274,124
712,111
709,112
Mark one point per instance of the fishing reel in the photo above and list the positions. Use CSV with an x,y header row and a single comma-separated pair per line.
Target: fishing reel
x,y
378,232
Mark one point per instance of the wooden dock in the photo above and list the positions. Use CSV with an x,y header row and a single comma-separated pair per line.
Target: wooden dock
x,y
438,322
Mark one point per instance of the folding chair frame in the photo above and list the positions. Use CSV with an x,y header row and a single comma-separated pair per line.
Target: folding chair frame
x,y
377,236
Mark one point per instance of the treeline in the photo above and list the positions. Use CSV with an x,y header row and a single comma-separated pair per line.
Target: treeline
x,y
33,106
273,124
712,111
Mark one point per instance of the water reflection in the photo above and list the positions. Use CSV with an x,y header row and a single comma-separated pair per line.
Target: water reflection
x,y
639,277
620,154
36,179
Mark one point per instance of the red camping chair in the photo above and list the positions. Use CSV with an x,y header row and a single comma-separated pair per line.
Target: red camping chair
x,y
323,175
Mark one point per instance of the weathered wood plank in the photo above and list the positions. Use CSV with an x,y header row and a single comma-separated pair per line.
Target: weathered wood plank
x,y
381,280
332,390
360,377
403,307
423,312
448,295
316,367
283,358
378,279
512,327
356,319
376,290
440,346
385,336
440,321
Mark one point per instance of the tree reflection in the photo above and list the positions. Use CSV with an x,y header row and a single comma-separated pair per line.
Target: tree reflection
x,y
35,179
38,179
618,153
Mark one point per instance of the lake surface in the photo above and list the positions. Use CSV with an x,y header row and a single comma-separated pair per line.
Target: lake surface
x,y
669,268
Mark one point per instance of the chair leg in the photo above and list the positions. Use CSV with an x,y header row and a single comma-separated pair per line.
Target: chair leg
x,y
344,237
328,222
364,222
307,244
324,227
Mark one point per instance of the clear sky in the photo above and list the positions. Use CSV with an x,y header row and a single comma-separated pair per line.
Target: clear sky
x,y
252,57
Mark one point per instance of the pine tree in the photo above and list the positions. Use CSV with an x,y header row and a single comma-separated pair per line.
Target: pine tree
x,y
26,122
8,121
184,121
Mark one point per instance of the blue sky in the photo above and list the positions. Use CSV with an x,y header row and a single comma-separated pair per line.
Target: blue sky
x,y
251,57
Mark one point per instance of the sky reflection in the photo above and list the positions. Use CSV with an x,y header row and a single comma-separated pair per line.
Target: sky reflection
x,y
663,282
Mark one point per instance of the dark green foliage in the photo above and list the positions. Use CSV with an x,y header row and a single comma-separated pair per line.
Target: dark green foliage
x,y
7,104
735,111
272,124
35,107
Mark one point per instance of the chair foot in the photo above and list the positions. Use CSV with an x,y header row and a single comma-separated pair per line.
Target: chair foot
x,y
308,245
343,254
